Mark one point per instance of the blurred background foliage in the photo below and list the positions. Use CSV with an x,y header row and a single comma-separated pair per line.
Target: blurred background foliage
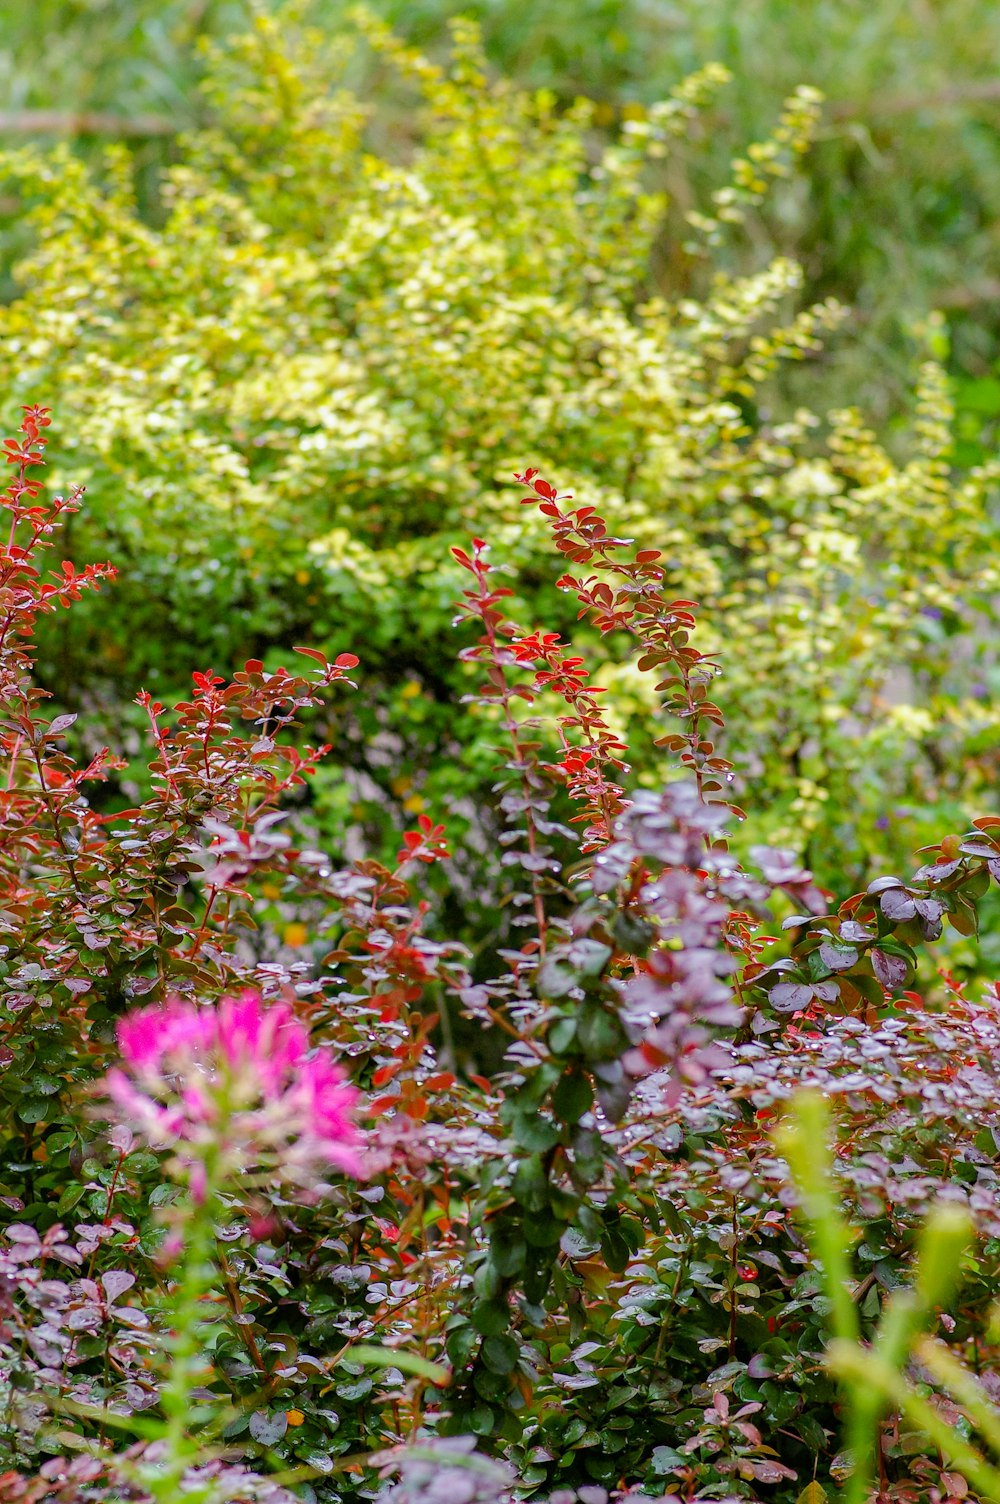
x,y
302,302
896,211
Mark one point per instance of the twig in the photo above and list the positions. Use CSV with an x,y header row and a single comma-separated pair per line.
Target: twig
x,y
84,123
985,91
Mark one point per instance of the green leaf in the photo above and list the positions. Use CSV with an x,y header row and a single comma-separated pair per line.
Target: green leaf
x,y
491,1386
573,1096
543,1230
164,1195
975,885
979,395
960,918
869,988
481,1419
507,1249
535,1133
71,1196
576,1244
615,1250
601,1034
34,1110
588,1157
530,1185
460,1343
491,1317
354,1389
561,1035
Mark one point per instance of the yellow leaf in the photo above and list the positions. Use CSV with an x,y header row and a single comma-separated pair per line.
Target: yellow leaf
x,y
813,1493
295,935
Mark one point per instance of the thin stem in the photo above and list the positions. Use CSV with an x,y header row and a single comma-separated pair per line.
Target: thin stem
x,y
870,1374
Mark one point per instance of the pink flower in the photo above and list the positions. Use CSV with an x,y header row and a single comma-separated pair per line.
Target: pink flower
x,y
240,1079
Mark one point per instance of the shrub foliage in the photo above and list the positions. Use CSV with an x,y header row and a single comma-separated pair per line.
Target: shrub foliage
x,y
585,1266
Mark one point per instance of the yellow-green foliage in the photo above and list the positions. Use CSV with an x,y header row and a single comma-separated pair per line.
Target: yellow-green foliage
x,y
321,365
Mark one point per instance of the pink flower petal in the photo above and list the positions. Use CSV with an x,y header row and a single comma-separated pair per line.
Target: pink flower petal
x,y
180,1057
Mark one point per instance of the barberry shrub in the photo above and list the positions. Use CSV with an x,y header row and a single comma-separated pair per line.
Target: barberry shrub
x,y
315,369
579,1272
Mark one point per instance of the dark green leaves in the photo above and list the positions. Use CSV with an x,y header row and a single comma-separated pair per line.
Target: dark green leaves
x,y
573,1096
530,1185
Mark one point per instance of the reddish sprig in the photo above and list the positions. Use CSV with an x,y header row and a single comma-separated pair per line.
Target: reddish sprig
x,y
560,673
630,599
425,844
23,595
482,604
583,764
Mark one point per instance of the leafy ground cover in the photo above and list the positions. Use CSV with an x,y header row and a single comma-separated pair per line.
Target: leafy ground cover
x,y
576,1277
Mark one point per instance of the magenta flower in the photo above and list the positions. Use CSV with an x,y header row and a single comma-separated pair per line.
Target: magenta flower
x,y
238,1080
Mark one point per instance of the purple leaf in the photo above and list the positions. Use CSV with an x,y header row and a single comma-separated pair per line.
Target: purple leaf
x,y
84,1318
120,1137
936,872
137,986
897,904
852,931
837,957
890,970
788,997
267,1429
883,884
116,1282
20,1232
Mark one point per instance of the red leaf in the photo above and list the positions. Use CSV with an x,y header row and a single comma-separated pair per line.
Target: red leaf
x,y
380,1104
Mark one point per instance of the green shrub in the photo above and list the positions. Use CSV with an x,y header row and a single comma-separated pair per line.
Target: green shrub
x,y
894,214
